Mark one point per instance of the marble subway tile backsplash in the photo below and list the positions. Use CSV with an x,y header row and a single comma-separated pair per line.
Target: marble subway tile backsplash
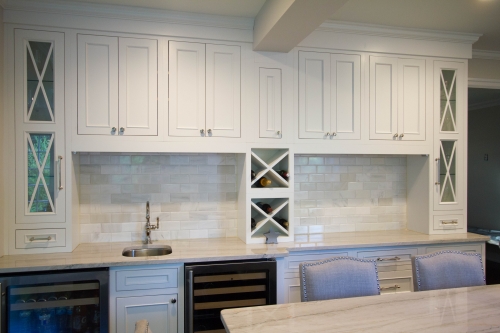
x,y
341,193
194,195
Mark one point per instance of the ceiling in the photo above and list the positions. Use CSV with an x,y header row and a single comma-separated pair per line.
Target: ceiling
x,y
470,16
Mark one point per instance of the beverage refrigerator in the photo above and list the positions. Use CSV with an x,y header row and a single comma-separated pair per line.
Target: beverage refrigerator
x,y
47,302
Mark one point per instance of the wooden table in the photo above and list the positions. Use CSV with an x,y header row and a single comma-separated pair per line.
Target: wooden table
x,y
474,309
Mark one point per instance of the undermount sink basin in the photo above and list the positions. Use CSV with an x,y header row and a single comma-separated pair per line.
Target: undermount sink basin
x,y
146,250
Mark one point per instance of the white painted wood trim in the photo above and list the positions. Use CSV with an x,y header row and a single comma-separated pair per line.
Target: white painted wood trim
x,y
485,54
484,83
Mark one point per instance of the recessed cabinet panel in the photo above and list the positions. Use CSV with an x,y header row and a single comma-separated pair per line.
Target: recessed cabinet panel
x,y
270,102
411,99
186,88
97,84
314,95
223,90
383,97
345,96
138,86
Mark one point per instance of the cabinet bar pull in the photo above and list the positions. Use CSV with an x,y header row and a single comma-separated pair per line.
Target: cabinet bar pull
x,y
32,239
60,172
438,166
449,222
391,287
389,259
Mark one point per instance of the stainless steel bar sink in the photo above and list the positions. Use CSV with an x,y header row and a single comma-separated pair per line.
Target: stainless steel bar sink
x,y
146,250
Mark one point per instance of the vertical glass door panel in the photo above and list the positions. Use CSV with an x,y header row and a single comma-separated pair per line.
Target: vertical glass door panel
x,y
448,96
447,171
40,173
40,81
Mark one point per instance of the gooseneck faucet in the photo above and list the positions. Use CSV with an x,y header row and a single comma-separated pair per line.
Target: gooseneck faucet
x,y
150,226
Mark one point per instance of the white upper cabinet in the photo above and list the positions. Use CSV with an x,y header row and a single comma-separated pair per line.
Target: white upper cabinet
x,y
204,90
270,96
329,96
397,98
117,85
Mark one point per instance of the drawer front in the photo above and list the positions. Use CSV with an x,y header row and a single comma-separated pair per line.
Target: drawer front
x,y
145,279
292,262
391,260
40,238
395,285
448,222
463,248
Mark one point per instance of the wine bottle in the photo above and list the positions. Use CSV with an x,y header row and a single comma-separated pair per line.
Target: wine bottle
x,y
252,175
265,207
253,224
284,174
263,182
282,222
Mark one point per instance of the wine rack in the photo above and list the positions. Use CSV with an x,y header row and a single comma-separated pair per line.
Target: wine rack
x,y
267,162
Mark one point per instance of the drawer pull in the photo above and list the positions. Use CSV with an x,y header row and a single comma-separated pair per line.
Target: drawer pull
x,y
389,259
454,222
394,287
32,239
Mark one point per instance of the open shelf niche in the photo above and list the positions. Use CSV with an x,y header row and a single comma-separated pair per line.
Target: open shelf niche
x,y
266,163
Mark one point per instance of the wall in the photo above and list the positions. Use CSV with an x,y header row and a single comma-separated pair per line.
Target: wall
x,y
337,193
2,142
484,176
195,195
484,69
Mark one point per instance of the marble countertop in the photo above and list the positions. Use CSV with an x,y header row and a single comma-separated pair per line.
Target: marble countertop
x,y
93,255
474,309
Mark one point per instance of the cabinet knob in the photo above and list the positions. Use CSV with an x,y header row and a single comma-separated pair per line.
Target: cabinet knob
x,y
113,129
173,301
202,131
401,135
122,129
395,135
327,133
334,134
279,132
209,131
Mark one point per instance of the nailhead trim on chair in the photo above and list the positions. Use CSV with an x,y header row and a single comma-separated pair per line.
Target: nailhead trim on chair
x,y
330,260
446,251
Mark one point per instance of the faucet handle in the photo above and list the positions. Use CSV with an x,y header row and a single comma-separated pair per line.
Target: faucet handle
x,y
157,222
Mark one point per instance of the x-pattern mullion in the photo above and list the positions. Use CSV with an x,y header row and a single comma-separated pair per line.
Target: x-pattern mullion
x,y
447,175
40,168
40,81
447,108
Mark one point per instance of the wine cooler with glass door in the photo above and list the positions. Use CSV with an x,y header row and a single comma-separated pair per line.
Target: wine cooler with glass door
x,y
73,301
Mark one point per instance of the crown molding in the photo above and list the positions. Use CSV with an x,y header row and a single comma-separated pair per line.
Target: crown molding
x,y
485,54
129,13
484,105
484,83
395,32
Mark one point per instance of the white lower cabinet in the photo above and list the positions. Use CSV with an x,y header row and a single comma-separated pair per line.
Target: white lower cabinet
x,y
152,292
393,264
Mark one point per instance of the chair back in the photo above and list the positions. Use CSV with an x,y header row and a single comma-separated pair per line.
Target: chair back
x,y
338,277
447,269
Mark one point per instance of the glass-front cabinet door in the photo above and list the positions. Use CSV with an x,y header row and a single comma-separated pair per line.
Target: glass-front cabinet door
x,y
39,109
449,184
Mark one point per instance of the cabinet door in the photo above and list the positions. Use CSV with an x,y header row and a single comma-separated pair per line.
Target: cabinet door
x,y
186,88
158,310
270,102
97,84
223,109
138,96
314,95
383,98
449,185
411,99
292,290
39,114
345,96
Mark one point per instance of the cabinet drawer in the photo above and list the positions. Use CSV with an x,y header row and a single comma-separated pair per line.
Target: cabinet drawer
x,y
448,222
395,285
292,262
391,260
463,248
40,238
144,279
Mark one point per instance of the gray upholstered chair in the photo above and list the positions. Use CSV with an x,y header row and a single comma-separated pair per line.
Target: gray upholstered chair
x,y
447,269
338,277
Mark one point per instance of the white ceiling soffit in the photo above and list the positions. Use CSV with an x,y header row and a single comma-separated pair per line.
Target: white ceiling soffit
x,y
282,24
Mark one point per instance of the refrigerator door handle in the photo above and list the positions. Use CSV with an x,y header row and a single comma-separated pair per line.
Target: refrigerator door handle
x,y
190,302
